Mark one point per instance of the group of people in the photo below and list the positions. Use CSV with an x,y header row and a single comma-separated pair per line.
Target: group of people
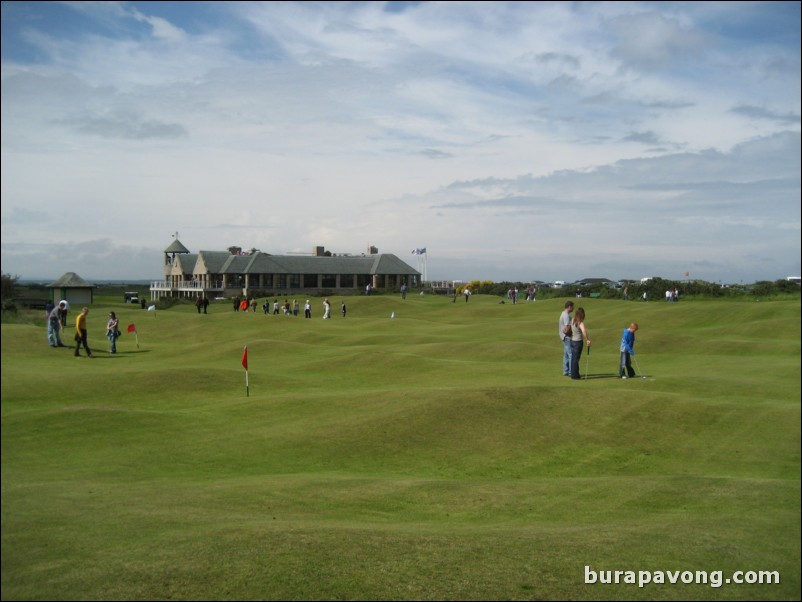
x,y
574,335
289,309
57,321
572,330
57,324
200,303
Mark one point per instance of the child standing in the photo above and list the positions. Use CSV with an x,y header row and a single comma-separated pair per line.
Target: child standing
x,y
627,350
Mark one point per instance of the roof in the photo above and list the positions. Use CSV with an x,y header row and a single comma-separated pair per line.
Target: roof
x,y
70,280
217,262
176,247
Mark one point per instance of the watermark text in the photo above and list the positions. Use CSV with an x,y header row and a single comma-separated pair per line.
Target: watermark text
x,y
712,578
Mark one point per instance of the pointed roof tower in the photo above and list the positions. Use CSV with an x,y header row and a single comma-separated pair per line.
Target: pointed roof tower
x,y
176,246
170,252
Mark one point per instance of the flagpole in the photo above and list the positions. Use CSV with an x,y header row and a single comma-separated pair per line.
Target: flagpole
x,y
245,365
132,328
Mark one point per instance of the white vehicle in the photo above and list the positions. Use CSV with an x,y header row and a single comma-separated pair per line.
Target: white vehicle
x,y
559,283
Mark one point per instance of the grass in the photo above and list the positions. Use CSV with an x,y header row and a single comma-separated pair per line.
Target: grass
x,y
436,455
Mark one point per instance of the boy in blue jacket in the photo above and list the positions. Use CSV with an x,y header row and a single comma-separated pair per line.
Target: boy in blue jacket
x,y
627,349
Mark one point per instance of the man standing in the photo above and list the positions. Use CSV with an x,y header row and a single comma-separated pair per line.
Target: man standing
x,y
627,349
565,336
80,333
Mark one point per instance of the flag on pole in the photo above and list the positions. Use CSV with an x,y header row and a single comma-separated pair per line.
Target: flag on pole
x,y
245,365
132,328
152,308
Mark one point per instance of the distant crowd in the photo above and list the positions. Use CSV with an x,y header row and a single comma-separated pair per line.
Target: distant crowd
x,y
277,307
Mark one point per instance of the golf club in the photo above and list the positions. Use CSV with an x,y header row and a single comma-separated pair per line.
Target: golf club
x,y
638,367
587,363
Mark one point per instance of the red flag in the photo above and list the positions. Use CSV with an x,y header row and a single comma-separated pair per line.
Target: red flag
x,y
245,357
131,328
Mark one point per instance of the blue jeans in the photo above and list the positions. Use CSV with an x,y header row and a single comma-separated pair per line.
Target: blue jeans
x,y
576,355
566,356
53,336
625,366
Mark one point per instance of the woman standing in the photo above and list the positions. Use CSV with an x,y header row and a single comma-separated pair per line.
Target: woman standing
x,y
578,335
113,331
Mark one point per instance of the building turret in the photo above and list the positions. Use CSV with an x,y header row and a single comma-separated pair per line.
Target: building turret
x,y
169,254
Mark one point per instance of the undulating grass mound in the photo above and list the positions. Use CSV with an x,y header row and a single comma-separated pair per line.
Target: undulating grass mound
x,y
436,454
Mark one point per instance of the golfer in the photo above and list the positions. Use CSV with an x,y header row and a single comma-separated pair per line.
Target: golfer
x,y
627,350
578,334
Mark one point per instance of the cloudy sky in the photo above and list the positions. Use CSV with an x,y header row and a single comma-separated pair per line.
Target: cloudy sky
x,y
512,140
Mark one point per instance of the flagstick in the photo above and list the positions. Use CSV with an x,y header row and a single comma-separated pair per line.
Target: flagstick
x,y
245,365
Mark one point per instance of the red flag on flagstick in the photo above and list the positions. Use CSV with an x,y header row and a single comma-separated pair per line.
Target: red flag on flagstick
x,y
245,365
132,328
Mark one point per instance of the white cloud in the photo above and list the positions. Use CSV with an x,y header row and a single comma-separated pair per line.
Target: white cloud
x,y
510,139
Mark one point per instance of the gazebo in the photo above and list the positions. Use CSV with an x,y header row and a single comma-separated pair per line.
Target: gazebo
x,y
73,289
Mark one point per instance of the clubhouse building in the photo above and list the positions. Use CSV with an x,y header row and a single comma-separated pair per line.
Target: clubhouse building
x,y
252,273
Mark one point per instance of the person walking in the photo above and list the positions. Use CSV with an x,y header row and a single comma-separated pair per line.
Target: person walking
x,y
627,350
326,309
113,331
578,335
307,309
80,333
565,336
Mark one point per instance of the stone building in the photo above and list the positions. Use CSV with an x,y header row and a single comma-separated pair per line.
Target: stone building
x,y
254,273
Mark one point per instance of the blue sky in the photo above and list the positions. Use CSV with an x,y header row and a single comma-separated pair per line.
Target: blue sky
x,y
514,141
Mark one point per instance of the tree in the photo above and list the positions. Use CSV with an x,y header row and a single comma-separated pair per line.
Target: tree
x,y
9,284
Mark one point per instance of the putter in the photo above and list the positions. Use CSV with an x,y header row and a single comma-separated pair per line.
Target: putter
x,y
587,363
638,367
